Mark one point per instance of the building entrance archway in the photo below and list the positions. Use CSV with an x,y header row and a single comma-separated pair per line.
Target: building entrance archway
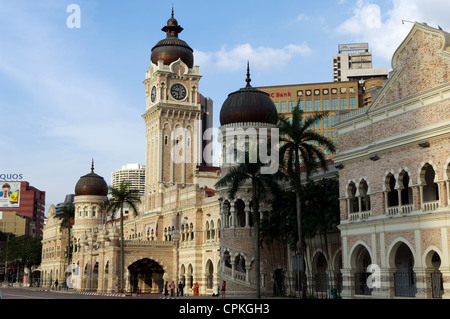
x,y
146,276
404,277
360,261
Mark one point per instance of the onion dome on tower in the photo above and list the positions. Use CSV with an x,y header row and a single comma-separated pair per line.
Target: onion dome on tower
x,y
248,105
172,48
91,184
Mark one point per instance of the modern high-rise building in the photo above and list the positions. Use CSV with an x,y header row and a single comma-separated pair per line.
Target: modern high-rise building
x,y
133,173
11,222
317,97
354,63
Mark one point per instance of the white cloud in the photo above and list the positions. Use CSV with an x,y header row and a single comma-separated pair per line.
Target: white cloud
x,y
303,17
260,57
384,29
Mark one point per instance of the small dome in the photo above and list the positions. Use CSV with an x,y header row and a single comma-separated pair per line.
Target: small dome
x,y
248,105
91,184
172,21
172,48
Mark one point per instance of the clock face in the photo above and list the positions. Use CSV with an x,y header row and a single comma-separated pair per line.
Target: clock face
x,y
153,95
178,91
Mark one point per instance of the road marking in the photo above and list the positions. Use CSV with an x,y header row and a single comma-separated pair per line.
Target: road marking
x,y
23,296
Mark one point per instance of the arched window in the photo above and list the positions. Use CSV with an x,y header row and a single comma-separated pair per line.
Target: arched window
x,y
212,230
239,207
227,259
239,263
406,191
352,200
209,274
208,234
219,224
364,197
430,188
392,195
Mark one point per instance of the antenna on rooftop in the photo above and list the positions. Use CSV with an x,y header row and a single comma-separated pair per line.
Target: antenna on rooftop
x,y
403,21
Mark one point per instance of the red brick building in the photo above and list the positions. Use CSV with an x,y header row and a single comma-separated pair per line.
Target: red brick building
x,y
26,200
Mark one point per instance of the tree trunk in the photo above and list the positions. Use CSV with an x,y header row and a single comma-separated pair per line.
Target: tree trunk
x,y
256,242
298,185
122,253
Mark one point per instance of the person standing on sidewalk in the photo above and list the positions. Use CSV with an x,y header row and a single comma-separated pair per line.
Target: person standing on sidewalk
x,y
172,289
180,288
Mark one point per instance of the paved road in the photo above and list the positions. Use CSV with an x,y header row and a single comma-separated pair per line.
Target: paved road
x,y
35,293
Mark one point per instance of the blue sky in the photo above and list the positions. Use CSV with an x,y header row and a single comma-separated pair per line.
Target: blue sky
x,y
68,95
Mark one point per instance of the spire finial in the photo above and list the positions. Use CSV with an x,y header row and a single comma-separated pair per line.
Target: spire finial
x,y
248,80
92,167
172,10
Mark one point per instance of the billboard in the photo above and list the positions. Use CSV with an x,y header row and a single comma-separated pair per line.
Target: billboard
x,y
9,194
354,47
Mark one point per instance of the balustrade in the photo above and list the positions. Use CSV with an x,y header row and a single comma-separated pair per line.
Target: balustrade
x,y
429,206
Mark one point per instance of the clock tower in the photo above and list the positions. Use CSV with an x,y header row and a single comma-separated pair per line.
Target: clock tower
x,y
173,117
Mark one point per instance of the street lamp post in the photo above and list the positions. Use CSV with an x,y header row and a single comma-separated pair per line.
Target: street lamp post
x,y
6,262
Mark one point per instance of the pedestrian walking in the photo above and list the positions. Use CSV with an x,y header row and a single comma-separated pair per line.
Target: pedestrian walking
x,y
56,284
224,288
195,289
166,291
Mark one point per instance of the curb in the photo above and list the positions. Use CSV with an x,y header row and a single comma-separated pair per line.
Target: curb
x,y
83,293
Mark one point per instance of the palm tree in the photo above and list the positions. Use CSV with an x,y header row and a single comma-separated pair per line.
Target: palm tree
x,y
261,183
321,204
121,196
67,215
298,143
321,209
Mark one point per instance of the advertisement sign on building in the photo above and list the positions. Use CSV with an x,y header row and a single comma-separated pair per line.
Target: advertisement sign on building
x,y
354,47
9,194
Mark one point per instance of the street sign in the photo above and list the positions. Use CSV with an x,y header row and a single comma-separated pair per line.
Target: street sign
x,y
297,263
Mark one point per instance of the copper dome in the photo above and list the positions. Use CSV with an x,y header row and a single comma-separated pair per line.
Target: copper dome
x,y
248,105
91,184
172,48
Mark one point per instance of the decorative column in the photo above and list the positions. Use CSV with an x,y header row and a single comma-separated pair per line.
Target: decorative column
x,y
417,197
420,197
247,214
442,189
348,283
446,282
233,216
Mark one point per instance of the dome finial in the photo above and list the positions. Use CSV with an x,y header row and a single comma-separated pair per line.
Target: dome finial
x,y
172,10
248,80
92,166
